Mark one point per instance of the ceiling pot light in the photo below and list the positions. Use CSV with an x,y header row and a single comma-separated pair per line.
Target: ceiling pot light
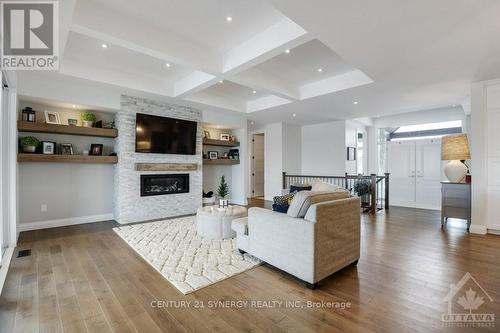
x,y
73,106
355,102
320,70
104,46
294,115
229,18
254,92
167,64
287,51
221,81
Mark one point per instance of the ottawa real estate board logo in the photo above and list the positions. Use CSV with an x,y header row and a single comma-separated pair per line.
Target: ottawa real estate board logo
x,y
30,35
467,301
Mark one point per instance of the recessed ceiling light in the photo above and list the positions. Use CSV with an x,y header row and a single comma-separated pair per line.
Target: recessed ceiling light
x,y
254,92
74,106
320,70
221,81
104,46
294,115
287,51
355,102
167,64
229,18
251,123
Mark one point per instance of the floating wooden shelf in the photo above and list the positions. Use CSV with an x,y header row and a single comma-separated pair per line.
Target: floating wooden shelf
x,y
22,157
166,166
215,142
221,161
26,126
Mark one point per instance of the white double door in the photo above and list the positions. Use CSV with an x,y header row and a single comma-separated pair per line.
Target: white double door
x,y
415,169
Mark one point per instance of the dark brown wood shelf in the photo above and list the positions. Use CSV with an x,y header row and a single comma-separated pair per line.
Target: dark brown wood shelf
x,y
221,161
22,157
166,166
25,126
215,142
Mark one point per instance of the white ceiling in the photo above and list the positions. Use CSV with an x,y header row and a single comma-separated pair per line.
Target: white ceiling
x,y
391,56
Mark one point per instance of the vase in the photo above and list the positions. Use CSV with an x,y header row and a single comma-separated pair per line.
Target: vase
x,y
223,203
29,149
87,123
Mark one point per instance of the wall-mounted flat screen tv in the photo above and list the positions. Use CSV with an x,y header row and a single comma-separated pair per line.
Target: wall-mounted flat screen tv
x,y
162,135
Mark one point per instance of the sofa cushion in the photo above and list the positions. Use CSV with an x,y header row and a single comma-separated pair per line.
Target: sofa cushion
x,y
303,200
324,186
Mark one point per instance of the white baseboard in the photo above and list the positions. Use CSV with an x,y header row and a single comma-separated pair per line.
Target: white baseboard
x,y
5,265
494,229
64,222
478,229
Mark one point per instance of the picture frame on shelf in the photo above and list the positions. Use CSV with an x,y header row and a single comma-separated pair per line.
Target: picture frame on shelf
x,y
66,149
52,117
96,149
206,134
213,155
225,137
48,147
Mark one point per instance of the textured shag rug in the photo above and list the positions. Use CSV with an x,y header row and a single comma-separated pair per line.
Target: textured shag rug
x,y
187,261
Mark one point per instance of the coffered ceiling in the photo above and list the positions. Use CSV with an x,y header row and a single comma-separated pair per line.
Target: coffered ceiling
x,y
317,59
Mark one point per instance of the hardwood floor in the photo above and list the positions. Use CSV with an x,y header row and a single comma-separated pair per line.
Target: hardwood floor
x,y
86,279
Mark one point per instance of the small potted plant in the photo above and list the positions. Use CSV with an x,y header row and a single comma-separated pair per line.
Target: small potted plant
x,y
29,144
222,192
88,119
363,189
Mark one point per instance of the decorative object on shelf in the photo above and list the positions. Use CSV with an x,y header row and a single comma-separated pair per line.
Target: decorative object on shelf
x,y
108,124
224,137
213,155
66,149
96,149
222,192
206,134
98,124
455,149
48,147
52,117
208,198
234,154
28,114
29,144
351,153
232,138
225,155
363,188
72,122
88,119
85,152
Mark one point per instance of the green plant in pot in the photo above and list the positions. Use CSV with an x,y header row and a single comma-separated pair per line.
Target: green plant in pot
x,y
29,144
222,192
88,119
363,189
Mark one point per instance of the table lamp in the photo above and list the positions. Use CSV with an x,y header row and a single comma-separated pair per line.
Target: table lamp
x,y
455,148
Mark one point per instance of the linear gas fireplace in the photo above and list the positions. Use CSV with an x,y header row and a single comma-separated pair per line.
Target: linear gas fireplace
x,y
164,184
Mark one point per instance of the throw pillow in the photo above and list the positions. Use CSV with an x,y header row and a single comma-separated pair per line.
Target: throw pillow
x,y
325,187
284,199
303,200
280,208
300,187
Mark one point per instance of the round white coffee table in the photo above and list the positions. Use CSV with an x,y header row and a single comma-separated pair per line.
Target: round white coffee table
x,y
213,223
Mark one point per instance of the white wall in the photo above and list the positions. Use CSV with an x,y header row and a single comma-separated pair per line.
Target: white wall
x,y
421,117
323,149
292,149
485,154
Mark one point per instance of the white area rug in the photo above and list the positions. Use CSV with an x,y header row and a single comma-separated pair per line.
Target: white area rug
x,y
188,262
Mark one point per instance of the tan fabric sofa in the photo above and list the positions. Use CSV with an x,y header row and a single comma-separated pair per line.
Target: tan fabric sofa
x,y
326,240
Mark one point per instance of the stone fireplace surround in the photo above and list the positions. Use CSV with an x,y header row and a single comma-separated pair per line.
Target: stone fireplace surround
x,y
129,205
